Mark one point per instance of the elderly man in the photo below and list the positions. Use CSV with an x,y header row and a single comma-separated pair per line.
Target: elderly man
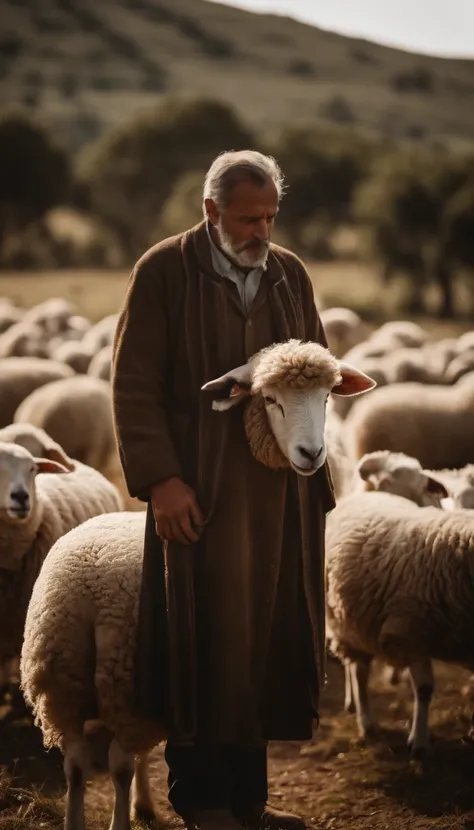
x,y
231,631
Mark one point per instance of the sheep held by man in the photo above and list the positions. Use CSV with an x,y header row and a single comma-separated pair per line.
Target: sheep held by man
x,y
87,594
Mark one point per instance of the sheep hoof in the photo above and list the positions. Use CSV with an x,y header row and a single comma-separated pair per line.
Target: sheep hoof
x,y
145,816
349,708
418,753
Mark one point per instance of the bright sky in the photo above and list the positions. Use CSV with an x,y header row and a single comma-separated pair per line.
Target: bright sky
x,y
438,27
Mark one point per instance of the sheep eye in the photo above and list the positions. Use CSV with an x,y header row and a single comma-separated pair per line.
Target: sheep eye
x,y
269,400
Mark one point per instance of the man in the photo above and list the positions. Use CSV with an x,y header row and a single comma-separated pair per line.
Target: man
x,y
231,631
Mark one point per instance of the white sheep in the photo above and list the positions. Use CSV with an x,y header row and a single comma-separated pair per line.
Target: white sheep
x,y
101,364
24,340
77,413
9,314
21,375
429,422
74,354
52,315
343,329
101,334
87,594
399,588
36,508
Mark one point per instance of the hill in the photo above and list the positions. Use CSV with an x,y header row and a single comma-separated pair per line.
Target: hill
x,y
83,66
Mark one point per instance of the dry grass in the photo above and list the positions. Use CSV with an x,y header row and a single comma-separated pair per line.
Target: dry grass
x,y
84,66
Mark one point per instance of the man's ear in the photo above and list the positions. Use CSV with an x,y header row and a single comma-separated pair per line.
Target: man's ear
x,y
354,382
230,389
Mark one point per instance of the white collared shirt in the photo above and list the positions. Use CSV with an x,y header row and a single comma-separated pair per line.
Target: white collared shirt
x,y
247,284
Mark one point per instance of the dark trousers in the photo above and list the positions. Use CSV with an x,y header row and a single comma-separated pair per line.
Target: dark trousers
x,y
215,777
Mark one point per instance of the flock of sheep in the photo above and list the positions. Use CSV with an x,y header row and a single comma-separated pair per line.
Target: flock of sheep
x,y
399,574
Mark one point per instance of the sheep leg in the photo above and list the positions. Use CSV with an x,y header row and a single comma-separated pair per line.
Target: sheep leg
x,y
360,673
76,768
121,768
142,801
422,679
349,705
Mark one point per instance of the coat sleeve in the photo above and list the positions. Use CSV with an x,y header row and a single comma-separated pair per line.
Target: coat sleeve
x,y
140,358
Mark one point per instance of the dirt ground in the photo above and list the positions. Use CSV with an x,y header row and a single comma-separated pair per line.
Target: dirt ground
x,y
334,782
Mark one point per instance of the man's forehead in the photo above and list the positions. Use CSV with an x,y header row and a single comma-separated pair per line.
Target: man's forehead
x,y
249,196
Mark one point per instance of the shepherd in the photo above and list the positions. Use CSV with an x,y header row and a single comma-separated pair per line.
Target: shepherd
x,y
231,638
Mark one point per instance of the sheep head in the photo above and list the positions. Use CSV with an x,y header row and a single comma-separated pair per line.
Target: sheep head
x,y
402,475
286,387
18,471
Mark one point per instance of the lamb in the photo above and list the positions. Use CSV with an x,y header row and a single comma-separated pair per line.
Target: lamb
x,y
430,423
88,589
19,376
399,588
77,413
343,328
36,509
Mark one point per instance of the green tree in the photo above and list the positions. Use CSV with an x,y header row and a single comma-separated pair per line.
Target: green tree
x,y
34,174
131,172
321,171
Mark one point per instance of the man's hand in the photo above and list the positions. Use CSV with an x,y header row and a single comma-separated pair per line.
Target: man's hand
x,y
175,509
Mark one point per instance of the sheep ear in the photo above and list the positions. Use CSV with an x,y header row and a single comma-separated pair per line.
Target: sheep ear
x,y
369,464
46,465
436,487
56,453
354,382
231,388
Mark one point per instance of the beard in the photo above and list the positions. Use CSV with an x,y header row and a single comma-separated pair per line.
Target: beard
x,y
253,254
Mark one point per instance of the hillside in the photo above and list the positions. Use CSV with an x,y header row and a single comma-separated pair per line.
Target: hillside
x,y
83,65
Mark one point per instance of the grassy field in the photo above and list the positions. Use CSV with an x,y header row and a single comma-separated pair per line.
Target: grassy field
x,y
82,67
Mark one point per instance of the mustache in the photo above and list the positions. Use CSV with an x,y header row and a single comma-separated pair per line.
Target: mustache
x,y
254,243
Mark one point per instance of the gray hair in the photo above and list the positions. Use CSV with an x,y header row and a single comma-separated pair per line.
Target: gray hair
x,y
232,167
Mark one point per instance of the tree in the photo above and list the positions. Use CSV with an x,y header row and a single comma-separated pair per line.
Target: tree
x,y
402,203
34,174
131,172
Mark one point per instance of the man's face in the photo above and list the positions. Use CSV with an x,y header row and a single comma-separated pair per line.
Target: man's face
x,y
245,224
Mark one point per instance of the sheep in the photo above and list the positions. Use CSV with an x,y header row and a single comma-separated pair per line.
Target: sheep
x,y
400,333
36,508
37,442
399,588
101,334
74,354
101,364
429,422
23,340
77,413
459,366
19,376
52,315
343,328
87,593
374,368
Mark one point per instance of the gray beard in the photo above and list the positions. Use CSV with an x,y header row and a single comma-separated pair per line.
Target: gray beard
x,y
245,258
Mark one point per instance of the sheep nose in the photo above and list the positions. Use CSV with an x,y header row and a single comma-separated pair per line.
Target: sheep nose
x,y
309,453
21,497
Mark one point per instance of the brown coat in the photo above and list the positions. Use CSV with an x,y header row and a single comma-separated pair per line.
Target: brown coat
x,y
231,632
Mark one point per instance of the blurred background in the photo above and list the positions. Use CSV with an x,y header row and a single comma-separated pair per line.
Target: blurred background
x,y
111,112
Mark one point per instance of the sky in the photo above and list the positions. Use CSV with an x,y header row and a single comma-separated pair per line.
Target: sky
x,y
436,27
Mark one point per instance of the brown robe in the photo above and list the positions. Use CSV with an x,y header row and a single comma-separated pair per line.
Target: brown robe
x,y
231,631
